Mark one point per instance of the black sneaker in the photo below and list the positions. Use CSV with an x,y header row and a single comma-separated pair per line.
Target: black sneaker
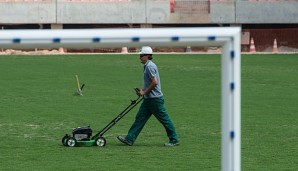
x,y
172,144
124,141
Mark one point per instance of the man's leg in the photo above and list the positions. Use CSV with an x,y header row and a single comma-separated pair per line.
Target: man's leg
x,y
141,118
162,116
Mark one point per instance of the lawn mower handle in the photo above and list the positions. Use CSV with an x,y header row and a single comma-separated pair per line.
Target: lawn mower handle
x,y
121,115
137,89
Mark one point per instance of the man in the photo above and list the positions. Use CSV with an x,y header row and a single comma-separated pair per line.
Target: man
x,y
153,103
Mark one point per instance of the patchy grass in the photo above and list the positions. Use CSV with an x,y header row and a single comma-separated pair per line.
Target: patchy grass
x,y
38,107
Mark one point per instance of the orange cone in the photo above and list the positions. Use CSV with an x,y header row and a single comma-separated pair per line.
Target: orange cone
x,y
124,50
252,47
274,49
61,50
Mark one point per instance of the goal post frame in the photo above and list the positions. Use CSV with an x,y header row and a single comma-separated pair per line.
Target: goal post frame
x,y
226,37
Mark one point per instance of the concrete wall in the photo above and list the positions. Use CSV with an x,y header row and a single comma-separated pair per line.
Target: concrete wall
x,y
27,12
267,12
222,12
103,12
147,11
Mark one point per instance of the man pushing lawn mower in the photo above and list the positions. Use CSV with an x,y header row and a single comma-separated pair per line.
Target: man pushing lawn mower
x,y
153,103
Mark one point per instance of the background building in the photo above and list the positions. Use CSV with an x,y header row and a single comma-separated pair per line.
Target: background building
x,y
262,20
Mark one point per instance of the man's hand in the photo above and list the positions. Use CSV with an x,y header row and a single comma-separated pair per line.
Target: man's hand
x,y
138,91
151,86
141,93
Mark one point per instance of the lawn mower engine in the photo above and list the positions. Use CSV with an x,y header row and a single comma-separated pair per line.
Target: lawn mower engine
x,y
82,133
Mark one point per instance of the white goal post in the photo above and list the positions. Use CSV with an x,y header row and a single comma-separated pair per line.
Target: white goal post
x,y
226,37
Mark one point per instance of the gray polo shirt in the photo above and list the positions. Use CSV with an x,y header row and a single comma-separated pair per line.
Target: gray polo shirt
x,y
150,70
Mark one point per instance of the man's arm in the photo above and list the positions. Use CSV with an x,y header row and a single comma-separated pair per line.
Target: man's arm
x,y
151,86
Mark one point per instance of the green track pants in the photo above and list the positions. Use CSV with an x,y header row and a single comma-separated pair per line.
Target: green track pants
x,y
148,107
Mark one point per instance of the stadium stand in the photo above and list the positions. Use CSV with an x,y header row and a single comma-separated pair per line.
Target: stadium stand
x,y
265,24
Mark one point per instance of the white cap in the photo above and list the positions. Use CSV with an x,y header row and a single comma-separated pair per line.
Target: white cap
x,y
146,50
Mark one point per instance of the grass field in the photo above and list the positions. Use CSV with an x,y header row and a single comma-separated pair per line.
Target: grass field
x,y
38,107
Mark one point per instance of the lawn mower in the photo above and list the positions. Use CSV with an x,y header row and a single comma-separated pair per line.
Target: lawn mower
x,y
82,136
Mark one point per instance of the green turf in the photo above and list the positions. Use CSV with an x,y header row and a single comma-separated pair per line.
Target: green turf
x,y
38,107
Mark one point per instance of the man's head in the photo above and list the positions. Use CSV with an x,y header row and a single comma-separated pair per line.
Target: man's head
x,y
145,54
